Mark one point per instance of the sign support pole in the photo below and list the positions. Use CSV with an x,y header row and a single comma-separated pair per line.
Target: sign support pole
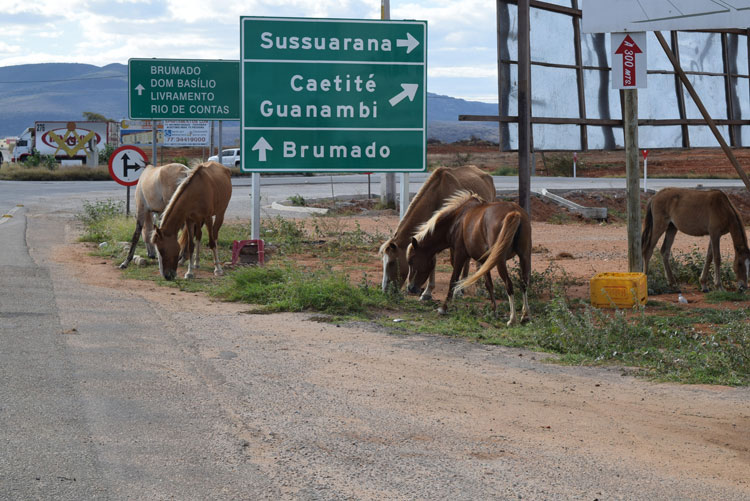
x,y
153,142
630,122
218,154
404,195
255,220
127,202
388,180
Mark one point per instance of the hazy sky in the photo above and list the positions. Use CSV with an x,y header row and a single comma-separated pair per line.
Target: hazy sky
x,y
461,33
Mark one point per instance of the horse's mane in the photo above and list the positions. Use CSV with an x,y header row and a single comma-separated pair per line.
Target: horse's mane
x,y
182,186
451,204
426,186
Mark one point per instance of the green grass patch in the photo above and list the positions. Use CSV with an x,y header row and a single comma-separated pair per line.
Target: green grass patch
x,y
20,172
661,341
686,268
288,288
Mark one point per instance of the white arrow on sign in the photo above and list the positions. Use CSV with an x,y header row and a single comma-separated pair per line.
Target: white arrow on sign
x,y
140,89
410,90
262,146
410,42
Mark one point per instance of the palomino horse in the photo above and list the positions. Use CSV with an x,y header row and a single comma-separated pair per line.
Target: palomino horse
x,y
156,185
697,213
200,200
441,184
491,233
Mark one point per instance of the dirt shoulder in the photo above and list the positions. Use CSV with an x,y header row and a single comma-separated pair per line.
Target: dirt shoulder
x,y
492,413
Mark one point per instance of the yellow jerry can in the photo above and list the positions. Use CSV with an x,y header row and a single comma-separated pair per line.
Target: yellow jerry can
x,y
618,289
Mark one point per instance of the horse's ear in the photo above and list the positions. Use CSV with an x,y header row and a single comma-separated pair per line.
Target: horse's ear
x,y
392,246
156,235
414,243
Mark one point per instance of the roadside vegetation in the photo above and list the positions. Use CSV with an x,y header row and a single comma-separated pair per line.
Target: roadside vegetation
x,y
305,273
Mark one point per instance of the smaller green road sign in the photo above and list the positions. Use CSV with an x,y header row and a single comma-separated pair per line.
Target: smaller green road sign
x,y
323,95
182,89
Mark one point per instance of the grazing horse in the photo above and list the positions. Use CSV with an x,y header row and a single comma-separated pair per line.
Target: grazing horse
x,y
156,185
441,185
696,213
490,233
200,200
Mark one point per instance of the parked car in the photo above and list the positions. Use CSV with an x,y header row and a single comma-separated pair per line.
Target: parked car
x,y
230,157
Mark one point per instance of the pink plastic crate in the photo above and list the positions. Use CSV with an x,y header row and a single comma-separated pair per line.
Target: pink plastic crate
x,y
237,247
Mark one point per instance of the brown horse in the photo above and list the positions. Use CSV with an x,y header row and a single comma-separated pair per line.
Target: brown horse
x,y
491,233
156,185
697,213
200,200
441,185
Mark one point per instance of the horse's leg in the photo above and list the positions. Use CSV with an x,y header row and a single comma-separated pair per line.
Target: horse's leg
x,y
212,228
148,228
491,291
657,230
427,293
666,249
706,268
133,243
458,265
190,246
464,274
502,268
525,264
198,237
715,244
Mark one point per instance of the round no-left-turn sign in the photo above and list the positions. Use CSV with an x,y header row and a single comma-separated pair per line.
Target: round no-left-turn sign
x,y
126,164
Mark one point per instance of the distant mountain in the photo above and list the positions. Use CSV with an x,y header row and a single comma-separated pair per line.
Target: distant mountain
x,y
63,91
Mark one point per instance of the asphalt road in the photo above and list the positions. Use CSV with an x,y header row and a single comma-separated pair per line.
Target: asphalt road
x,y
106,394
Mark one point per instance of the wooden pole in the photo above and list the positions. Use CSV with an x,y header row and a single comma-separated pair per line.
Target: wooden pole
x,y
524,106
630,120
702,109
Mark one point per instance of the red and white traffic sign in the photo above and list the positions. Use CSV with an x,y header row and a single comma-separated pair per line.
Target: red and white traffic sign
x,y
126,164
645,154
629,60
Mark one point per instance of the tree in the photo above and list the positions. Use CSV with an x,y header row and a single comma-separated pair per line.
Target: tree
x,y
95,117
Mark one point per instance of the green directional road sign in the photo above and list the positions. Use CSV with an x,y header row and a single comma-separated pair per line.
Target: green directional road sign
x,y
182,89
333,95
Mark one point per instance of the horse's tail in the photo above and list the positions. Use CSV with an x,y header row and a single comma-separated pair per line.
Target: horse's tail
x,y
183,240
498,251
648,225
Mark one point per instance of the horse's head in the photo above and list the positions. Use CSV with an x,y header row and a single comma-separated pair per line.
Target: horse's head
x,y
168,252
394,265
742,268
421,262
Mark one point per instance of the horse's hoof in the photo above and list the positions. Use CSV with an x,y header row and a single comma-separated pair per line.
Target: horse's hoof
x,y
189,275
458,293
425,297
123,265
218,272
511,322
441,311
705,289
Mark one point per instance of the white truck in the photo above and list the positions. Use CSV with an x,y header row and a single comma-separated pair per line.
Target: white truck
x,y
230,157
66,141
